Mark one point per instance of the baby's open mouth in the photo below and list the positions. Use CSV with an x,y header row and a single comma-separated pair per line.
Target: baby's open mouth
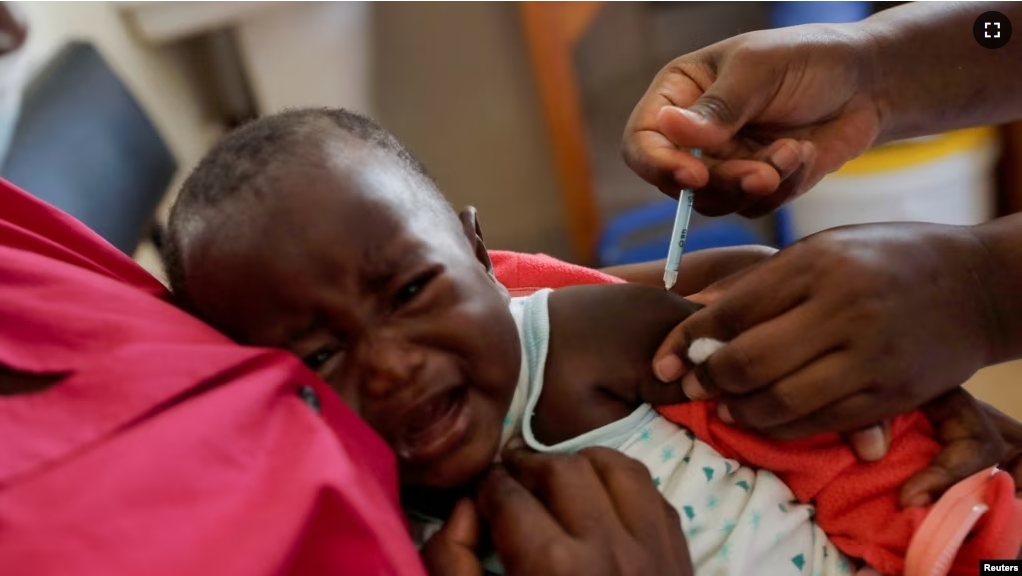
x,y
433,428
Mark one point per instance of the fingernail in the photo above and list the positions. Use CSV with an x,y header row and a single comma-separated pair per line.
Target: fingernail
x,y
919,500
694,114
515,443
785,159
668,368
675,111
807,151
748,184
692,388
871,444
725,414
684,178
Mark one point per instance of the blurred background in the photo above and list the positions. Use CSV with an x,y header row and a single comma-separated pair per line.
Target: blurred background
x,y
516,108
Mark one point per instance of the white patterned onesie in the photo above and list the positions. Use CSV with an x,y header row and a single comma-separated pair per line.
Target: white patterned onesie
x,y
737,521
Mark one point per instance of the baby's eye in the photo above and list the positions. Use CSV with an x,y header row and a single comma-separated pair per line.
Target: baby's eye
x,y
317,359
412,289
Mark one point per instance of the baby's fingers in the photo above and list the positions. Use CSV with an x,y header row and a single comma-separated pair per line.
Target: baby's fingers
x,y
971,442
926,486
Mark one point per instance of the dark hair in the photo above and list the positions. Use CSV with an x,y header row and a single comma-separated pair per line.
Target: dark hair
x,y
242,160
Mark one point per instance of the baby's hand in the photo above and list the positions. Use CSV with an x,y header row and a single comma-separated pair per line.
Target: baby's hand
x,y
452,550
973,437
1011,433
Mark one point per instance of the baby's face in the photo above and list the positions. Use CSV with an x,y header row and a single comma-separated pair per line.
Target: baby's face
x,y
346,266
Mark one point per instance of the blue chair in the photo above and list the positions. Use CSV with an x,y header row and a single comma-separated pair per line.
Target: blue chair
x,y
796,13
83,144
644,234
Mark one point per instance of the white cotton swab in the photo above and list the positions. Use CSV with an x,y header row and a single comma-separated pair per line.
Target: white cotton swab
x,y
702,348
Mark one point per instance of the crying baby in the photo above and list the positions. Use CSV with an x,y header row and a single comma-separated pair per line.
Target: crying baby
x,y
317,232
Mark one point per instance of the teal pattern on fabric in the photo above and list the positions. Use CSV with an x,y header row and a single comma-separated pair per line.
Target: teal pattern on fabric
x,y
666,454
799,561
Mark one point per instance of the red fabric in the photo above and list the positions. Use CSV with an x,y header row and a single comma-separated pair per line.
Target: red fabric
x,y
856,502
165,448
523,274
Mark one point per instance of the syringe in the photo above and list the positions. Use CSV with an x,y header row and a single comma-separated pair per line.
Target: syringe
x,y
679,234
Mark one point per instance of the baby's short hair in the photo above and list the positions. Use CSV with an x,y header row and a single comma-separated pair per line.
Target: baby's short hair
x,y
239,163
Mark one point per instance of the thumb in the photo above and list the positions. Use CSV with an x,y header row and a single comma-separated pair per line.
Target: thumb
x,y
711,121
452,550
668,365
871,444
462,528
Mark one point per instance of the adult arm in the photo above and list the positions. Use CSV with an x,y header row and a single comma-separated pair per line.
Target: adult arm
x,y
776,110
931,74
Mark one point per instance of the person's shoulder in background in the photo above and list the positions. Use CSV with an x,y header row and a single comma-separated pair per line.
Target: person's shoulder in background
x,y
13,28
13,34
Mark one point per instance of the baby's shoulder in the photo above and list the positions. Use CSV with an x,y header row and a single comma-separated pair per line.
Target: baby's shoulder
x,y
598,362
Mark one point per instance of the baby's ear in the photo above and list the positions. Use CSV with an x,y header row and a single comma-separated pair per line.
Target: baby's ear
x,y
470,226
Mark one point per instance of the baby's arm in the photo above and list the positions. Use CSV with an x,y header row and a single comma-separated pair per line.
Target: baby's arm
x,y
597,367
698,269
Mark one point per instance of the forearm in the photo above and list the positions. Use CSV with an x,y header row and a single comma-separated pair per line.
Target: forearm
x,y
929,74
698,269
1000,285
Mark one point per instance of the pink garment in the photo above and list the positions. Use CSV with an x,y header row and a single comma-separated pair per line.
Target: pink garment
x,y
165,448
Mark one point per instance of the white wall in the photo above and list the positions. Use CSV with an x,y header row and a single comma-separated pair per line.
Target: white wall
x,y
309,54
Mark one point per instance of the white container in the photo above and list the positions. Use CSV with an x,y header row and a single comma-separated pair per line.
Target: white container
x,y
950,179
